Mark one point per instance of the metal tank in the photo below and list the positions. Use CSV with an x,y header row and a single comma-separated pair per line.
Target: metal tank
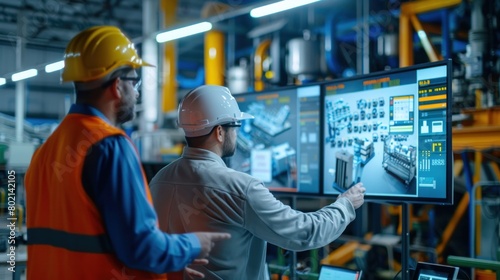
x,y
238,78
303,59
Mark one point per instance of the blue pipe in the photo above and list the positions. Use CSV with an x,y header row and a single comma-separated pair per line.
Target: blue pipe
x,y
331,46
445,34
198,80
188,65
433,16
375,31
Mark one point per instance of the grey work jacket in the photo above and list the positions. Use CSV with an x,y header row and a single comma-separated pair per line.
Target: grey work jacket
x,y
198,192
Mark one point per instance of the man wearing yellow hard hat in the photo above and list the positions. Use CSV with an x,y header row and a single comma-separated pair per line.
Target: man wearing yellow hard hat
x,y
89,210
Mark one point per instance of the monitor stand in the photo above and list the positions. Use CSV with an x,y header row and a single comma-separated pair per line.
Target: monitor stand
x,y
405,243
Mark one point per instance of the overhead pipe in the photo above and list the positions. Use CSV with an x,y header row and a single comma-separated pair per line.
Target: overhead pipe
x,y
169,89
259,57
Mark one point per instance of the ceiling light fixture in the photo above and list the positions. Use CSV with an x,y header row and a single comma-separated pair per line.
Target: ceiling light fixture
x,y
54,66
3,81
279,7
183,32
24,75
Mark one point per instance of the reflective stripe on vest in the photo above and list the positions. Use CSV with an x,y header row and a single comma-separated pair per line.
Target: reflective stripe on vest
x,y
70,241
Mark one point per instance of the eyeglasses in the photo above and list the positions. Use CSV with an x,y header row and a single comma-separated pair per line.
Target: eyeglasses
x,y
136,81
231,124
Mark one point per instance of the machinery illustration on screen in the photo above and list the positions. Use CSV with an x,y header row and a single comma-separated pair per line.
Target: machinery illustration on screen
x,y
280,146
389,131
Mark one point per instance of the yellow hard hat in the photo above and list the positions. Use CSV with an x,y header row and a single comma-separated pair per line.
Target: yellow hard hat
x,y
97,52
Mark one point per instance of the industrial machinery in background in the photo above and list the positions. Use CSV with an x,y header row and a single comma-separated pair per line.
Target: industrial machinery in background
x,y
303,59
476,83
238,77
328,50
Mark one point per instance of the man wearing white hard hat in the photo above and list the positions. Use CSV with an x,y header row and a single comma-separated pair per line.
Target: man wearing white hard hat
x,y
198,192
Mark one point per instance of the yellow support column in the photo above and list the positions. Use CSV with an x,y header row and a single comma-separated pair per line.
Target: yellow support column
x,y
215,61
260,56
405,41
214,58
169,89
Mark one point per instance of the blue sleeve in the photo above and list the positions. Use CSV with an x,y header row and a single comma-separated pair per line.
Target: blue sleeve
x,y
113,179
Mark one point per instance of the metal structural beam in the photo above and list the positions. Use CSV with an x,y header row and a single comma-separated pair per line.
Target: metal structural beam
x,y
409,10
482,132
423,6
426,42
475,138
149,74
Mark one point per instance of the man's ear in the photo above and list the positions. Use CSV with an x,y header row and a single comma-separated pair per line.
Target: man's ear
x,y
219,133
116,89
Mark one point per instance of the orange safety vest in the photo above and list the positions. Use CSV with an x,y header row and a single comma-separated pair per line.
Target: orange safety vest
x,y
66,234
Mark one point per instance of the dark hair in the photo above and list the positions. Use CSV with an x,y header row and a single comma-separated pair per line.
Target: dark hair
x,y
195,142
84,96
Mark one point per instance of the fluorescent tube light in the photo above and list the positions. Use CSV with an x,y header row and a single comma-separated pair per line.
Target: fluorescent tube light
x,y
183,32
54,66
24,75
3,81
279,7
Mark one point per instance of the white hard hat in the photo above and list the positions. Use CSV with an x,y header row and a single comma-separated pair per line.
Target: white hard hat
x,y
207,106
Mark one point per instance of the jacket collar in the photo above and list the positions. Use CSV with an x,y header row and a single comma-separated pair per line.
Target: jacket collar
x,y
196,153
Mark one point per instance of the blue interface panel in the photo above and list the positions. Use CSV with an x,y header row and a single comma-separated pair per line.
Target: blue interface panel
x,y
390,130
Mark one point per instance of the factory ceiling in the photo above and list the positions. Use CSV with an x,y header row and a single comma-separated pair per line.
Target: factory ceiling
x,y
54,22
46,26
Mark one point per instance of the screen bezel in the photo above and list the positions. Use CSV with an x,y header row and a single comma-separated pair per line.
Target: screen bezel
x,y
450,271
449,193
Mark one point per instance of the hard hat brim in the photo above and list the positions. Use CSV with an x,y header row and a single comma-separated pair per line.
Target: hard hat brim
x,y
245,116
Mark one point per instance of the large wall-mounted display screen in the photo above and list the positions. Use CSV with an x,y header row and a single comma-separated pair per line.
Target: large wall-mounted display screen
x,y
281,145
392,131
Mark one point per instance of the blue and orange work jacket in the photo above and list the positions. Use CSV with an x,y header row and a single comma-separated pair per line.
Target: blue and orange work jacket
x,y
66,234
